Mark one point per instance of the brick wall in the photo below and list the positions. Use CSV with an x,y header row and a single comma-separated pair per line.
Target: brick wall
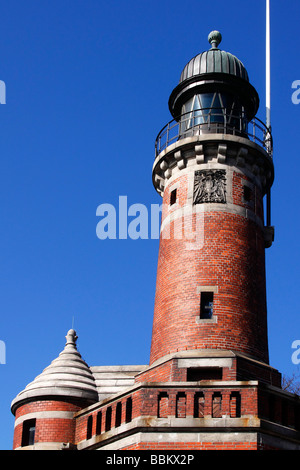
x,y
232,259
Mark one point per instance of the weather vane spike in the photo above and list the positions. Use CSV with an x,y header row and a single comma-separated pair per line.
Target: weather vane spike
x,y
268,66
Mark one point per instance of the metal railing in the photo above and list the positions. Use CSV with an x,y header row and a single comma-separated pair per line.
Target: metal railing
x,y
213,120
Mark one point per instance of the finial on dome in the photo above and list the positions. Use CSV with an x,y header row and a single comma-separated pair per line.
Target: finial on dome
x,y
214,38
71,337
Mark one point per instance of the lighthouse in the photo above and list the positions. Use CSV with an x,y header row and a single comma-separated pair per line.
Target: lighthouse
x,y
209,384
213,167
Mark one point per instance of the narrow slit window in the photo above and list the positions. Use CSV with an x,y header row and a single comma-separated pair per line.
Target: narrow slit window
x,y
173,197
99,423
118,415
199,405
163,405
89,427
235,405
217,405
128,416
247,193
181,405
108,419
206,305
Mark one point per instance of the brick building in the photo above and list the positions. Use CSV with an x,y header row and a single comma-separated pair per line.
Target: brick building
x,y
208,384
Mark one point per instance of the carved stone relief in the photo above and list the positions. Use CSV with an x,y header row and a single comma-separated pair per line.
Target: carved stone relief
x,y
210,186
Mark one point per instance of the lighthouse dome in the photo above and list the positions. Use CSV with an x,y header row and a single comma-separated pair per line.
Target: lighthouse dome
x,y
214,61
214,71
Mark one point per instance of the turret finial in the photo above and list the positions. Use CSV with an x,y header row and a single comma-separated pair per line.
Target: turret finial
x,y
71,337
214,38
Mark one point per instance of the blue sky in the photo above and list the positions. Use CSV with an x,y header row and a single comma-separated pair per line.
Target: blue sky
x,y
87,88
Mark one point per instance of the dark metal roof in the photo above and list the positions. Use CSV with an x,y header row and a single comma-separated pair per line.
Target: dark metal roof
x,y
214,61
211,71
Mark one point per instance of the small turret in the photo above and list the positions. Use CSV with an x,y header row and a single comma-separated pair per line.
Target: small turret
x,y
44,410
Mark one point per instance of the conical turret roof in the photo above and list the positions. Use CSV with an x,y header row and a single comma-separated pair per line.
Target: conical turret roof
x,y
67,376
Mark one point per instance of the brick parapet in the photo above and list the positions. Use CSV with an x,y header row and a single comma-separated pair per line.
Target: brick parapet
x,y
170,408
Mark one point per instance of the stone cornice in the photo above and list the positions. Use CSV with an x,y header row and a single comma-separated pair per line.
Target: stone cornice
x,y
218,148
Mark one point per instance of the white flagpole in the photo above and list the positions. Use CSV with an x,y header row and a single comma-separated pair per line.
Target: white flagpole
x,y
268,66
268,98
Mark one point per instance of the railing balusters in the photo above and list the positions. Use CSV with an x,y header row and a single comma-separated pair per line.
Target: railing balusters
x,y
179,128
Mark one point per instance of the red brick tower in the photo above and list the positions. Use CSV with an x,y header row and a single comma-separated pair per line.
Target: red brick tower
x,y
212,169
